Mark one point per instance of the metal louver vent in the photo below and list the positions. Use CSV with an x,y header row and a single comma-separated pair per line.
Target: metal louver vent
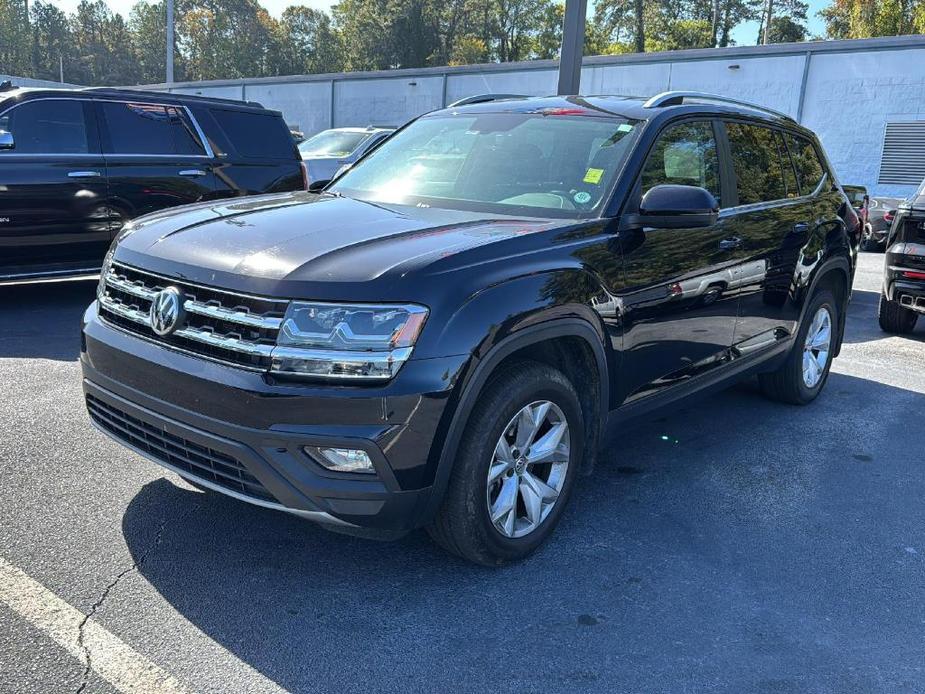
x,y
903,159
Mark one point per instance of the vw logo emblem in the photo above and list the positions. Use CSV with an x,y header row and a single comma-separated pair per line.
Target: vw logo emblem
x,y
166,312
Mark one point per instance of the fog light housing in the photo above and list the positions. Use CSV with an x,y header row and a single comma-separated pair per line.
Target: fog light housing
x,y
342,459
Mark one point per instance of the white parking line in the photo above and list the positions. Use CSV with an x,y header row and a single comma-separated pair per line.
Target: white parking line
x,y
113,660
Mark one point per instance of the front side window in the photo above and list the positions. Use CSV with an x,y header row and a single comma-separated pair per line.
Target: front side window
x,y
332,143
806,161
52,126
149,129
685,154
756,162
514,163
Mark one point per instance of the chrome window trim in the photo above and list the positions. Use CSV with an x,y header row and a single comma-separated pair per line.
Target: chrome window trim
x,y
209,153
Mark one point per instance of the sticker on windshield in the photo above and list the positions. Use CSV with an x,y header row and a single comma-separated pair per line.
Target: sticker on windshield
x,y
624,128
581,197
593,176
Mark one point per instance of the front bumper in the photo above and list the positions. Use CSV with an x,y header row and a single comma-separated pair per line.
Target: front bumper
x,y
239,433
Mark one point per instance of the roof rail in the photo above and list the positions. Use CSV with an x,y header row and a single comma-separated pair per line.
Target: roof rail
x,y
677,98
485,98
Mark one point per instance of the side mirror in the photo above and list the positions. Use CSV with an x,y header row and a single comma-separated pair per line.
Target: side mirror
x,y
6,140
317,186
678,207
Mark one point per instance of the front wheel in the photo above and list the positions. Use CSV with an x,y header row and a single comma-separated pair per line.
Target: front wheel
x,y
802,376
516,465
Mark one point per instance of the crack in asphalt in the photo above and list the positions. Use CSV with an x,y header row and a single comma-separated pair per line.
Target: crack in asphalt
x,y
81,629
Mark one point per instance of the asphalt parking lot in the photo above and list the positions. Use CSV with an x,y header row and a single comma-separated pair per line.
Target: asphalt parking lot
x,y
735,546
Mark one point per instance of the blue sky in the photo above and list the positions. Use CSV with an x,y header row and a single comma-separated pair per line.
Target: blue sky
x,y
746,34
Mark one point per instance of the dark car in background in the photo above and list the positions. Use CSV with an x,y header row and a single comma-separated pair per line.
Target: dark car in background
x,y
76,165
902,298
881,212
330,150
442,336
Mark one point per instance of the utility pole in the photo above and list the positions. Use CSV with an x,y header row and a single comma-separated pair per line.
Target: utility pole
x,y
170,41
573,46
61,68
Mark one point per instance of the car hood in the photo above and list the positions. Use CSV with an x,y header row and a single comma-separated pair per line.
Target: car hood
x,y
310,238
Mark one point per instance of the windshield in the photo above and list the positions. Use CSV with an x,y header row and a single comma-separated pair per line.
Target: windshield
x,y
332,143
547,165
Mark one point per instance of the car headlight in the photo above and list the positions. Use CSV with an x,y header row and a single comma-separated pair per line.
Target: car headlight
x,y
346,341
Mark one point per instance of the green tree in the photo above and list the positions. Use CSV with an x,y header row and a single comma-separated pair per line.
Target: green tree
x,y
102,45
148,26
861,19
15,56
52,43
308,42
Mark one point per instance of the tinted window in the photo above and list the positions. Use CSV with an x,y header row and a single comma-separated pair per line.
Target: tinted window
x,y
148,129
561,164
684,154
53,126
807,163
256,134
756,162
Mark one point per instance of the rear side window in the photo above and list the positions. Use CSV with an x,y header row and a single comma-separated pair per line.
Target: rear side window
x,y
256,134
807,163
53,126
685,154
148,129
757,163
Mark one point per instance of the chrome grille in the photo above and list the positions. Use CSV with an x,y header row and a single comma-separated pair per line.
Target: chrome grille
x,y
220,325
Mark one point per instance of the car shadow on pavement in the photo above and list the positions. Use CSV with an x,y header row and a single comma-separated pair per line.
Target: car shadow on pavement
x,y
42,321
863,325
725,542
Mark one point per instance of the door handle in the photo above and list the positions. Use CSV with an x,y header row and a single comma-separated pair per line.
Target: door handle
x,y
730,244
83,174
801,227
194,173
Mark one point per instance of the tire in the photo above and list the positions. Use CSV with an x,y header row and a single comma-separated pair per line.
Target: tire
x,y
463,524
894,318
788,384
870,246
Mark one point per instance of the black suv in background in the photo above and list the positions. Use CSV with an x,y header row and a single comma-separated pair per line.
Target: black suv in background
x,y
441,337
902,299
76,165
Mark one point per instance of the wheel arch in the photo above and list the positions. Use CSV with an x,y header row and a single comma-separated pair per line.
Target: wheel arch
x,y
527,343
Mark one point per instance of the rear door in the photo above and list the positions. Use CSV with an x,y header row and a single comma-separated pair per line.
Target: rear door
x,y
680,312
52,189
155,157
773,219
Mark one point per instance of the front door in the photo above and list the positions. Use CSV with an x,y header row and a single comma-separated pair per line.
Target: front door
x,y
53,215
679,310
155,158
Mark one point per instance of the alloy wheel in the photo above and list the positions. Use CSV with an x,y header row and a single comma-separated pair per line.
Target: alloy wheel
x,y
528,469
816,347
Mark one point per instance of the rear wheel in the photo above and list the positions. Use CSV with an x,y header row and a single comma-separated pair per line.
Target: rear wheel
x,y
803,375
516,465
894,318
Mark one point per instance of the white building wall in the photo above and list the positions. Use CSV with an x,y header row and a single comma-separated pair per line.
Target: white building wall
x,y
849,90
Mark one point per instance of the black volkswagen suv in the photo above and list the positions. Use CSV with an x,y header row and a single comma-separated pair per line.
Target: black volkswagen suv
x,y
75,165
902,299
442,336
